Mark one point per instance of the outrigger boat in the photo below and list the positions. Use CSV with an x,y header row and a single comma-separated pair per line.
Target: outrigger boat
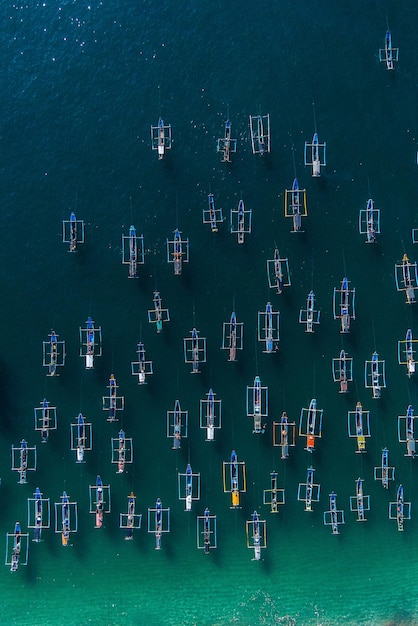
x,y
73,232
384,472
90,343
268,329
45,419
210,414
38,514
388,55
122,451
177,252
226,145
158,523
99,495
130,521
310,424
406,278
310,315
113,403
344,305
232,336
66,518
406,353
257,404
359,426
295,205
309,492
278,273
17,548
194,349
211,215
241,219
177,424
255,529
206,532
315,155
400,510
141,368
375,375
360,503
23,460
133,251
406,431
342,371
234,478
161,138
260,133
81,437
333,517
189,487
53,354
158,315
369,222
284,435
274,496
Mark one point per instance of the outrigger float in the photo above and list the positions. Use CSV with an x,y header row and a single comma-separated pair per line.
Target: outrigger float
x,y
257,404
99,496
45,419
194,349
359,426
66,518
375,375
226,145
310,315
369,221
133,251
210,414
406,353
211,215
161,138
158,315
406,431
256,532
278,273
39,514
113,403
122,451
310,491
73,232
23,460
406,278
189,487
284,435
389,55
241,219
17,548
342,370
310,424
400,510
81,437
360,503
53,354
295,205
268,328
260,133
158,522
141,368
334,517
177,425
343,305
384,473
232,336
206,532
177,252
273,497
131,520
234,475
315,155
90,343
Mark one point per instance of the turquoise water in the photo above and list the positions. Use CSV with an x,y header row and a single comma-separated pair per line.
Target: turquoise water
x,y
81,85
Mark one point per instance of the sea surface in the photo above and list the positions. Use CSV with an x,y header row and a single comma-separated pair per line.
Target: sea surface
x,y
81,84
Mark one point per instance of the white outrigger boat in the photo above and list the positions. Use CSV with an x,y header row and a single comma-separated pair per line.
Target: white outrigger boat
x,y
375,375
384,473
241,219
23,460
310,491
133,251
278,273
210,414
315,155
268,329
45,419
194,349
131,520
232,336
406,278
66,518
295,205
334,517
406,353
177,252
206,532
369,221
158,522
275,496
73,232
90,343
343,305
226,145
142,367
234,475
257,404
310,424
161,138
360,503
177,424
260,133
310,315
342,370
211,215
53,354
389,55
122,451
284,435
256,532
113,403
188,486
400,510
406,431
158,315
99,496
81,437
39,514
17,548
359,426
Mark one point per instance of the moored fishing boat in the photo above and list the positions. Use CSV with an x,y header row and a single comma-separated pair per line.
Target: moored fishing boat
x,y
389,55
384,473
333,517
